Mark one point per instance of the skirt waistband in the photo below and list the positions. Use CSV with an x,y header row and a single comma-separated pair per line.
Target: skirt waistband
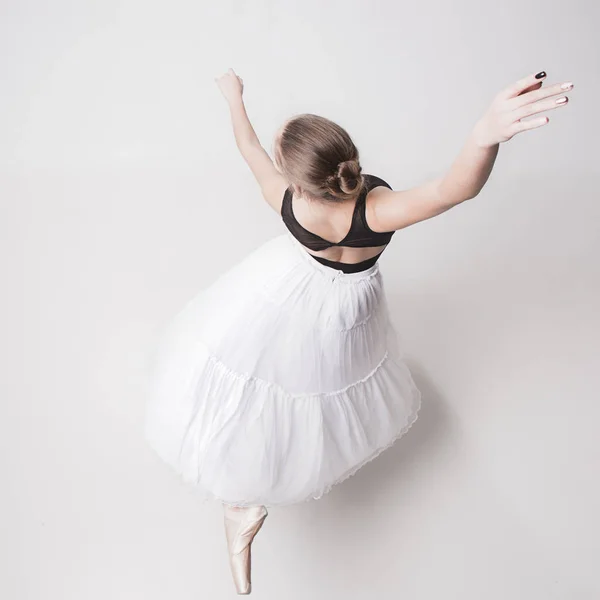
x,y
359,267
327,270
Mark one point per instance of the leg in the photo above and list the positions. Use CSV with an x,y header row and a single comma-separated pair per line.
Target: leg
x,y
242,523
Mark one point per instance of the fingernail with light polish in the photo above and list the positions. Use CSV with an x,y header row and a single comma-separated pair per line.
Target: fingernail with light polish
x,y
566,86
561,100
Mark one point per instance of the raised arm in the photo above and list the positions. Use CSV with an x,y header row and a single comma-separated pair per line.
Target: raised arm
x,y
392,210
270,180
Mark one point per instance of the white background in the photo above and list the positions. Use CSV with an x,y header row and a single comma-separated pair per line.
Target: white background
x,y
123,194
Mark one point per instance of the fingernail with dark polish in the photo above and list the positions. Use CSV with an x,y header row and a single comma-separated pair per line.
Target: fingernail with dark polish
x,y
540,75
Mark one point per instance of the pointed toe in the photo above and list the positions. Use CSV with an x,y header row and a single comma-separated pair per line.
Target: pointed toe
x,y
241,526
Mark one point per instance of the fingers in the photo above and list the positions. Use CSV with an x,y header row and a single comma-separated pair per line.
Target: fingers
x,y
229,71
521,126
535,86
539,106
539,94
522,84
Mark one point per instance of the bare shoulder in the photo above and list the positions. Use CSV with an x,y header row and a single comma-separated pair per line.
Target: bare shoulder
x,y
390,210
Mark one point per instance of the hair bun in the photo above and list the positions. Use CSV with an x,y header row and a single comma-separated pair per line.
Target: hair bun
x,y
349,175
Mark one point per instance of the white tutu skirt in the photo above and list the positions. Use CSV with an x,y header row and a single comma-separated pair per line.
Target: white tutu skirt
x,y
279,380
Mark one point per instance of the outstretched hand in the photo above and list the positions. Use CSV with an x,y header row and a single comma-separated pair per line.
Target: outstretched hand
x,y
231,85
504,118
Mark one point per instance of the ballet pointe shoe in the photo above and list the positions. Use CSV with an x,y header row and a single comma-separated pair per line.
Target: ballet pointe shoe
x,y
241,526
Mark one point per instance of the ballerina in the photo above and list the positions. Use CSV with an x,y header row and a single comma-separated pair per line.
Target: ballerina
x,y
286,375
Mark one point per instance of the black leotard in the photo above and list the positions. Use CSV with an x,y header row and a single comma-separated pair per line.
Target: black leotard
x,y
359,236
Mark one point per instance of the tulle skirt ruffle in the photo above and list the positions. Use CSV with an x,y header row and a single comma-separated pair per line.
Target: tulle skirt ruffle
x,y
279,380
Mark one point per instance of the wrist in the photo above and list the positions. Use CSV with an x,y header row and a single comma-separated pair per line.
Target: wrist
x,y
236,101
480,136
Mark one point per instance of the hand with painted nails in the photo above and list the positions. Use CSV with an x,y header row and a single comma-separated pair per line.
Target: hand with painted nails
x,y
524,98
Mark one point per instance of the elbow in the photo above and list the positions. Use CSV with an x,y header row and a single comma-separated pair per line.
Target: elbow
x,y
448,203
448,197
468,195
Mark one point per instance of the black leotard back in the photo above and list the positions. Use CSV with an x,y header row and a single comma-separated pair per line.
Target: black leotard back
x,y
360,234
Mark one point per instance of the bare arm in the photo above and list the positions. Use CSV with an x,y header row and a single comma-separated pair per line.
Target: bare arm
x,y
242,128
468,173
271,182
392,210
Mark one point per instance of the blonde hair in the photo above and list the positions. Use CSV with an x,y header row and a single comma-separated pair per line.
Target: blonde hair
x,y
319,159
